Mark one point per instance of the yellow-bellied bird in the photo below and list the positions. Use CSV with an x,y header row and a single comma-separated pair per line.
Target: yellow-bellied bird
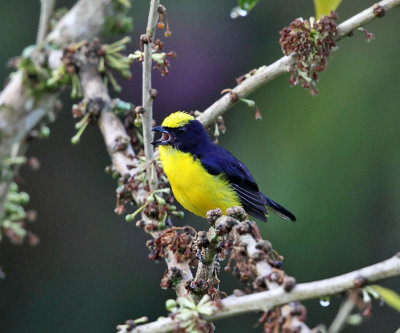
x,y
204,176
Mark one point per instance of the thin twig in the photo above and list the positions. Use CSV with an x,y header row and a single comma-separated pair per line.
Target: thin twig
x,y
266,300
265,74
46,10
147,99
340,320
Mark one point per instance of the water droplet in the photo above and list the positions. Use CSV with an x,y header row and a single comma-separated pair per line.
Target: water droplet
x,y
243,12
325,301
237,11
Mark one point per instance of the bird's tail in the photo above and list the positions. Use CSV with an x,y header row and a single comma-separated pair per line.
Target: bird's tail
x,y
279,210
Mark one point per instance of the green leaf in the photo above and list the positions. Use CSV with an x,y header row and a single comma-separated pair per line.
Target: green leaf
x,y
390,297
247,5
324,7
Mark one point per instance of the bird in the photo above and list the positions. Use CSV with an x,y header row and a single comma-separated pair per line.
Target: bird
x,y
204,176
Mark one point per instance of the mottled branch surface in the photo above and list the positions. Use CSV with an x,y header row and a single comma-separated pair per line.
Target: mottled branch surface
x,y
264,301
265,74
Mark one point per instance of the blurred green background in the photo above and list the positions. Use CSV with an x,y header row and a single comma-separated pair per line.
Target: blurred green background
x,y
332,159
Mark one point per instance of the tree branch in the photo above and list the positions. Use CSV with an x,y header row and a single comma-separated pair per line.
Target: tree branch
x,y
266,300
264,74
147,98
20,111
84,21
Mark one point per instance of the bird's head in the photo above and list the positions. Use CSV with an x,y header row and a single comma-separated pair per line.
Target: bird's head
x,y
181,131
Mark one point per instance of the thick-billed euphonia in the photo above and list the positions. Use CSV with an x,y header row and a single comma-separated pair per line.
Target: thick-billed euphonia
x,y
204,176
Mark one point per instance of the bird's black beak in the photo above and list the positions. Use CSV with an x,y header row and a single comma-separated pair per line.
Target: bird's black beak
x,y
165,137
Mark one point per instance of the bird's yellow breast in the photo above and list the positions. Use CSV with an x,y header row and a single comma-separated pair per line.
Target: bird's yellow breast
x,y
194,188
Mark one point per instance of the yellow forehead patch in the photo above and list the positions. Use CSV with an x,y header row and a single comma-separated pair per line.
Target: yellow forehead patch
x,y
177,119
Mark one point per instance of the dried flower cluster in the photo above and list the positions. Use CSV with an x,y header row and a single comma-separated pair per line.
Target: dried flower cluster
x,y
157,205
251,259
36,72
311,42
159,57
107,58
287,319
162,13
179,240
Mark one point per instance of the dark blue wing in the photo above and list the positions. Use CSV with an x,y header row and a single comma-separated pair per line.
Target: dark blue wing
x,y
217,160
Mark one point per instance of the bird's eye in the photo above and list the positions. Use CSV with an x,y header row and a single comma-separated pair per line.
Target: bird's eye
x,y
181,130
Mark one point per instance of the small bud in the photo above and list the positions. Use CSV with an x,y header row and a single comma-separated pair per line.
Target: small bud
x,y
140,224
144,39
289,283
379,11
76,111
202,240
360,281
367,312
264,246
23,198
179,214
233,97
44,132
258,115
250,103
139,109
138,122
237,212
153,93
245,228
238,292
160,200
160,25
167,33
170,304
314,91
34,163
75,140
129,217
131,324
141,320
31,215
224,225
259,283
213,215
161,9
33,240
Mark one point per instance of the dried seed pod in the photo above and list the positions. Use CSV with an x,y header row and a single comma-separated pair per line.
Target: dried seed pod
x,y
360,281
213,215
289,283
237,212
